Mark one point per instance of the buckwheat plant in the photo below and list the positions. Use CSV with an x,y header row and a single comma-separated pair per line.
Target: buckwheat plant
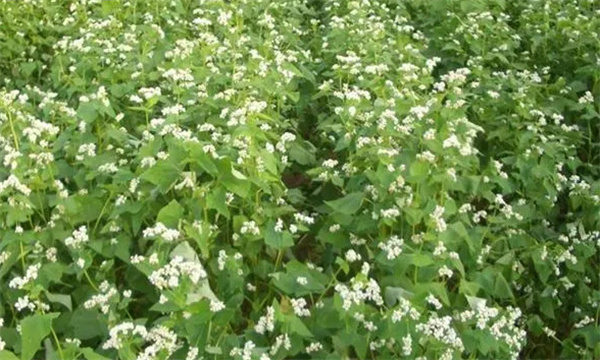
x,y
299,179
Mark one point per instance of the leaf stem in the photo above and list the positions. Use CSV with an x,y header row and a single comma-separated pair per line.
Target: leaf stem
x,y
87,276
101,213
60,351
12,129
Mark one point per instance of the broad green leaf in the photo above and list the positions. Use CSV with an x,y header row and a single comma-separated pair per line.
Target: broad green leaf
x,y
419,170
343,264
347,205
7,355
297,326
215,350
475,302
502,288
277,240
92,355
217,199
468,288
300,155
63,299
201,235
184,250
421,260
394,294
34,329
170,214
87,324
87,112
163,175
233,180
199,157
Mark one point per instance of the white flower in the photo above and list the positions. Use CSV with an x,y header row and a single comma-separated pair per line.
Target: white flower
x,y
432,300
330,163
78,237
266,323
438,220
24,303
313,347
299,306
445,271
392,247
279,226
407,345
352,256
216,306
161,231
586,98
30,274
169,275
250,227
192,353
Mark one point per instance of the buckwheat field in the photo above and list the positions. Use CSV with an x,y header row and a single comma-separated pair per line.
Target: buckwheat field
x,y
299,179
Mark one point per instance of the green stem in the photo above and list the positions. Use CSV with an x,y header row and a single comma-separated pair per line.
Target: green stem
x,y
12,129
333,280
87,276
22,255
208,333
278,261
60,351
101,213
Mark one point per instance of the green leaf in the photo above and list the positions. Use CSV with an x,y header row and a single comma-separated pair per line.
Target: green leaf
x,y
343,264
338,239
203,291
472,6
90,354
459,229
185,251
500,3
87,112
590,333
421,260
347,205
34,329
163,175
300,155
419,170
542,268
86,323
535,325
233,180
215,350
475,302
199,157
502,288
7,355
201,234
170,214
506,259
394,294
298,327
60,299
277,240
467,287
217,200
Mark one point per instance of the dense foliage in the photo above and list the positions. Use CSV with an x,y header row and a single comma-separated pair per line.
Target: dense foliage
x,y
381,179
